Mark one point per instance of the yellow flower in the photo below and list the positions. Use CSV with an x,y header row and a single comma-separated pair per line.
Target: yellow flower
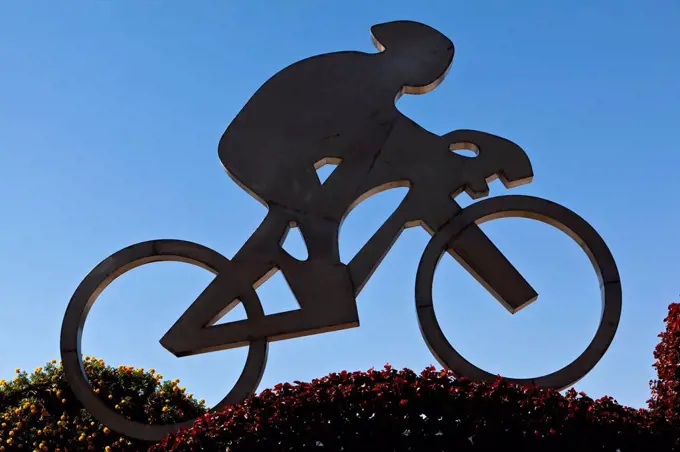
x,y
165,409
54,361
63,400
11,433
19,424
107,449
117,407
38,369
17,370
4,424
26,405
190,395
152,371
182,389
92,423
81,437
96,390
3,382
17,411
202,401
106,430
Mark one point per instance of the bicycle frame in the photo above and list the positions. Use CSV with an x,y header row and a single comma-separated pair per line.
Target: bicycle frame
x,y
262,255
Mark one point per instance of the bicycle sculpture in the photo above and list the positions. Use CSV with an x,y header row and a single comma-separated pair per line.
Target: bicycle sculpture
x,y
340,108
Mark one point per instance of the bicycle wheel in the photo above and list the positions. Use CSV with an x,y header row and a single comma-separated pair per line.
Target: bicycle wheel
x,y
105,273
547,212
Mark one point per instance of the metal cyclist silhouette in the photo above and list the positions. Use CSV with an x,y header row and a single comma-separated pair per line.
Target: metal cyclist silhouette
x,y
340,108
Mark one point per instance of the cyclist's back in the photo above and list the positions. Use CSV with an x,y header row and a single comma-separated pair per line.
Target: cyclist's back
x,y
338,105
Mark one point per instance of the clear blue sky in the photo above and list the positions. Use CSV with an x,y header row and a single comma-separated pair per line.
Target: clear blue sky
x,y
110,115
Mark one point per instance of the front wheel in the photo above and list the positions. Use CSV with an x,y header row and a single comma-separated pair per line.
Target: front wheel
x,y
547,212
92,286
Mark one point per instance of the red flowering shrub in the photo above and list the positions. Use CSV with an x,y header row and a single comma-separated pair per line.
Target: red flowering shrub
x,y
386,410
665,401
392,410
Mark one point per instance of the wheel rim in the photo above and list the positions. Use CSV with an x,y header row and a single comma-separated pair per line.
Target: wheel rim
x,y
93,285
547,212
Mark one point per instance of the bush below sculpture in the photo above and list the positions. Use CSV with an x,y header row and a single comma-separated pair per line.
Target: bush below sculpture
x,y
39,412
385,410
665,401
391,410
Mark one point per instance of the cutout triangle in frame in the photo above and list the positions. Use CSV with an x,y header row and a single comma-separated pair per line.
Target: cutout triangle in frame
x,y
234,312
276,295
325,167
294,243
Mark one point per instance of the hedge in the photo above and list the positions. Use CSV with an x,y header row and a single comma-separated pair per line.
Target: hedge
x,y
391,410
377,410
39,412
665,401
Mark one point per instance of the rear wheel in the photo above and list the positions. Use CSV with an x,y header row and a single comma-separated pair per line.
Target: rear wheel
x,y
93,285
547,212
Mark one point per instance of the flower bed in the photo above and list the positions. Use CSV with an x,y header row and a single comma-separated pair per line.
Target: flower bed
x,y
38,411
391,410
378,410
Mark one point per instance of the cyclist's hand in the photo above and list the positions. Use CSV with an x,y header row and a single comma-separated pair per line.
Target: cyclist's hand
x,y
496,157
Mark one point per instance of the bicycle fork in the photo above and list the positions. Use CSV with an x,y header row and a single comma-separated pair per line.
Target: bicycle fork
x,y
472,249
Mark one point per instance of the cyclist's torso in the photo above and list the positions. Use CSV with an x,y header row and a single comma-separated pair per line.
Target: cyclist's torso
x,y
333,105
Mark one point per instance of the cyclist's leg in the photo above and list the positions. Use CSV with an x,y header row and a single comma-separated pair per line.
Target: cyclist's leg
x,y
321,286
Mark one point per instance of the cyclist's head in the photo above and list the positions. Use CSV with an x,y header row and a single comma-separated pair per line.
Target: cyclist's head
x,y
420,55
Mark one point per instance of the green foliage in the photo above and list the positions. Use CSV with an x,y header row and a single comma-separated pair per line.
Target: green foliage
x,y
39,412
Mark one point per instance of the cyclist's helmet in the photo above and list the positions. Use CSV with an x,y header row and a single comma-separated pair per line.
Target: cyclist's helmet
x,y
419,53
